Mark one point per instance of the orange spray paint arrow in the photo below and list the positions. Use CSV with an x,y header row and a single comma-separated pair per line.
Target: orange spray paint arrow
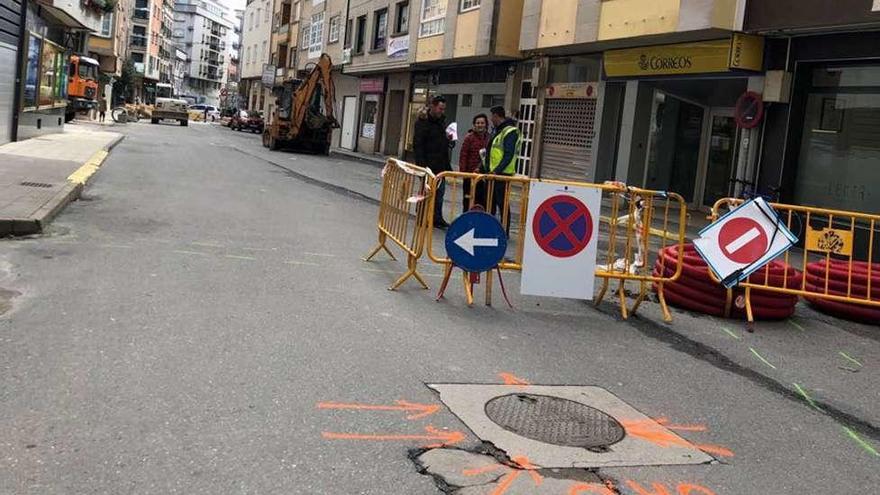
x,y
418,410
510,379
520,464
440,438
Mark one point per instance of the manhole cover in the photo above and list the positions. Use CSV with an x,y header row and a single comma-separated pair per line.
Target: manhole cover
x,y
555,421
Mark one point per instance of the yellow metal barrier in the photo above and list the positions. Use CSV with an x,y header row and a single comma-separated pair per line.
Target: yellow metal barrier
x,y
644,222
403,216
840,242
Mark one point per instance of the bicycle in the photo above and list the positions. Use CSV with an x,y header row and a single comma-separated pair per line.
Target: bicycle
x,y
124,114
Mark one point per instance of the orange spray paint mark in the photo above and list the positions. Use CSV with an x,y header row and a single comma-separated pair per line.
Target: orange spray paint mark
x,y
689,489
418,411
438,437
520,464
657,488
510,379
593,488
654,432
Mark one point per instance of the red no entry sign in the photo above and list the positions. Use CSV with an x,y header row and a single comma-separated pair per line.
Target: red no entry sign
x,y
743,240
563,226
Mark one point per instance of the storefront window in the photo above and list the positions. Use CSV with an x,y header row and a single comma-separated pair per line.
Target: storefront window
x,y
371,108
574,69
840,149
51,74
33,71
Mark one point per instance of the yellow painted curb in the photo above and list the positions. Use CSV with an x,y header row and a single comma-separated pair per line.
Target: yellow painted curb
x,y
84,173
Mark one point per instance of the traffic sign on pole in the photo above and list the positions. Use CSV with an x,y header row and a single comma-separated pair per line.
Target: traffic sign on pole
x,y
559,256
744,240
476,242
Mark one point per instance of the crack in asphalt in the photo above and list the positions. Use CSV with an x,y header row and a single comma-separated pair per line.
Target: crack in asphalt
x,y
698,350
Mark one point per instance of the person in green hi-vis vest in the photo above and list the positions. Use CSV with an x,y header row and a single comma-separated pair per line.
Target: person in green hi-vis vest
x,y
501,156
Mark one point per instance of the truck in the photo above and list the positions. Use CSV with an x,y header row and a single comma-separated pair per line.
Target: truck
x,y
82,86
303,117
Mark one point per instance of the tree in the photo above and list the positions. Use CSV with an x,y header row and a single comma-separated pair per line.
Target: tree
x,y
123,88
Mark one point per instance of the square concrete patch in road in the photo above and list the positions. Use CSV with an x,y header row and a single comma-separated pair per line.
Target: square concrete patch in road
x,y
641,442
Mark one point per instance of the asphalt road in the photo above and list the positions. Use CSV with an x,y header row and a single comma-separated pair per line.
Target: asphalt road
x,y
177,328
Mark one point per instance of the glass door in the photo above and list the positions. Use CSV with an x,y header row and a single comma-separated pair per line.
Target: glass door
x,y
675,139
721,153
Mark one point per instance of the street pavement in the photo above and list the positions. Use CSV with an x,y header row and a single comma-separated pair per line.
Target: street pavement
x,y
200,321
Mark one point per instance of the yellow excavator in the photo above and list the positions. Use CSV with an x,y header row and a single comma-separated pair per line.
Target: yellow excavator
x,y
303,117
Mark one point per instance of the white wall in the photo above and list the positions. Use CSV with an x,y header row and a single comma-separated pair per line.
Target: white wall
x,y
257,32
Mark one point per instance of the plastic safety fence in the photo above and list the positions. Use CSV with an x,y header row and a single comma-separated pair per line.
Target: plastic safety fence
x,y
696,290
403,219
636,224
836,254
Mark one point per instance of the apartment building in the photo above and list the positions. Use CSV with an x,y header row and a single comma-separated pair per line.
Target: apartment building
x,y
109,45
467,51
256,55
322,29
202,28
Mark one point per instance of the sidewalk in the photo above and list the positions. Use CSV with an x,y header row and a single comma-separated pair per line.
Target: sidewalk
x,y
40,176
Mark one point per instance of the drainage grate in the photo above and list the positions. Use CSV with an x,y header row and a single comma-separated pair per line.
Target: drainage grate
x,y
555,421
35,184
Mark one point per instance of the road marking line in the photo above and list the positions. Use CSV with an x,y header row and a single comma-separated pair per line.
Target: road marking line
x,y
323,255
206,244
303,263
234,257
851,359
728,332
761,358
194,253
807,397
796,325
865,445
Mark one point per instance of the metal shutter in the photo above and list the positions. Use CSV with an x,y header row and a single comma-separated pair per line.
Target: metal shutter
x,y
567,140
10,22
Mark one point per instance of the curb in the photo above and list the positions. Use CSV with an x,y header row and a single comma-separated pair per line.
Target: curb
x,y
69,193
376,162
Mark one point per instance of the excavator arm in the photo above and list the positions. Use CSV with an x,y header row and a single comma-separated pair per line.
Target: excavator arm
x,y
304,96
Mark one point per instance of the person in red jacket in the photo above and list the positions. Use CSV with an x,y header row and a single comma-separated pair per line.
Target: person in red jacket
x,y
470,159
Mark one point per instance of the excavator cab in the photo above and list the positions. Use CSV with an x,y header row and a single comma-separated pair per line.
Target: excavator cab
x,y
303,118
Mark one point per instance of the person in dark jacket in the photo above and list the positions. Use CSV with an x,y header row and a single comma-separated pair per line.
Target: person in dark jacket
x,y
470,160
501,157
432,146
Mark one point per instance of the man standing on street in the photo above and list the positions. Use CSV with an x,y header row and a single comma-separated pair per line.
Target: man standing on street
x,y
502,155
432,144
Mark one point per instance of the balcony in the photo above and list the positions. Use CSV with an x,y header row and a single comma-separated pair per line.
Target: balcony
x,y
138,41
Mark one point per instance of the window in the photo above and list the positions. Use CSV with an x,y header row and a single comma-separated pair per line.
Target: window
x,y
247,56
251,22
370,111
348,34
401,18
269,13
467,100
259,11
469,5
106,24
433,18
361,35
334,29
380,29
306,33
490,101
263,52
316,35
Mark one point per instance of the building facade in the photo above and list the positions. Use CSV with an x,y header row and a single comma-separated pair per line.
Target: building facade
x,y
203,28
109,45
11,23
256,55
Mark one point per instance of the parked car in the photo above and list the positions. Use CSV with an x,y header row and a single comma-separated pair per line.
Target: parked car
x,y
251,121
213,112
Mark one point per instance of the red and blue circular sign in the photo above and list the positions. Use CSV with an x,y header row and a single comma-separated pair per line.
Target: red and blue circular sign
x,y
563,226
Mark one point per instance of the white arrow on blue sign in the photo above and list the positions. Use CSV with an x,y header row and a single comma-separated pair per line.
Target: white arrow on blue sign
x,y
476,242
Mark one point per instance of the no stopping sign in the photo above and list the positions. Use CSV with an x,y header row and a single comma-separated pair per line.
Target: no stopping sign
x,y
749,110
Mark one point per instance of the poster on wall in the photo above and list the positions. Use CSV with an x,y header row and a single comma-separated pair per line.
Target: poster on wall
x,y
369,131
399,47
33,72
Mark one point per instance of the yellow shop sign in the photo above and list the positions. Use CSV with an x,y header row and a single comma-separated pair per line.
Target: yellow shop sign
x,y
740,51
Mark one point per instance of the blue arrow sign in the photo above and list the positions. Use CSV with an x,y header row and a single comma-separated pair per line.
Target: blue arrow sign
x,y
476,242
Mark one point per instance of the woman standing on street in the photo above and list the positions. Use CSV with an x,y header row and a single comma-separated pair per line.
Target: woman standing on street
x,y
469,160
